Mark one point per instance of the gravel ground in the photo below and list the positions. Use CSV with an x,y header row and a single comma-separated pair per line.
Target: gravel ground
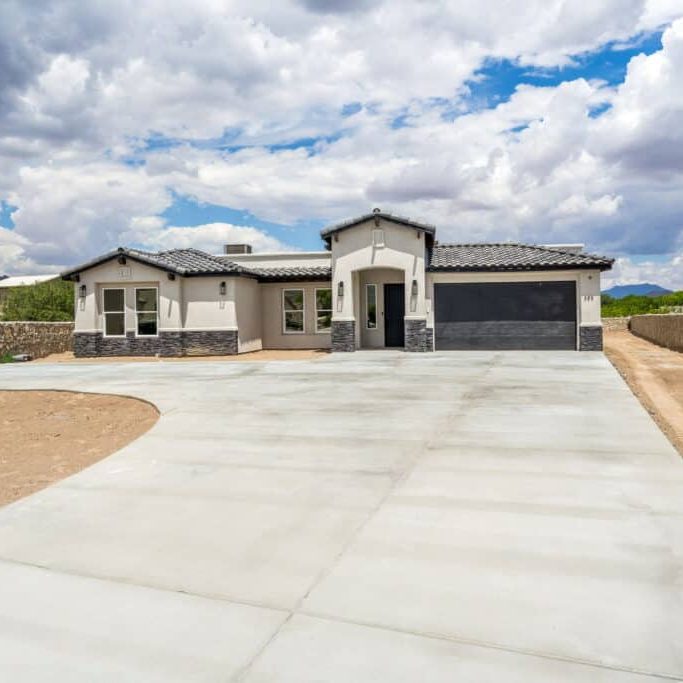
x,y
48,435
655,375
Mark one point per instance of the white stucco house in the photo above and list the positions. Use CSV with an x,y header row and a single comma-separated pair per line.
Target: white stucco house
x,y
382,281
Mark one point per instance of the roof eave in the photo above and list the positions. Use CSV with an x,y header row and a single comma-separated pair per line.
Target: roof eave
x,y
508,269
326,233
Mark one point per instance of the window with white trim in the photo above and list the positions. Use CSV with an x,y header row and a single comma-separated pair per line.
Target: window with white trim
x,y
146,312
371,307
293,311
323,310
114,311
378,238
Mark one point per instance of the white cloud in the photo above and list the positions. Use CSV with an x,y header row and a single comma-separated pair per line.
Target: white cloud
x,y
78,100
209,237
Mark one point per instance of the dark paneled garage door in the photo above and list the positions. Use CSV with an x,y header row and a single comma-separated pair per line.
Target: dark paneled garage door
x,y
511,315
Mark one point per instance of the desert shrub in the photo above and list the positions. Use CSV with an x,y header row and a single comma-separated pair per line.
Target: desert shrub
x,y
639,305
51,301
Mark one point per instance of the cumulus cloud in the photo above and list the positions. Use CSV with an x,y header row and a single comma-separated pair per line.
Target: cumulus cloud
x,y
209,237
224,87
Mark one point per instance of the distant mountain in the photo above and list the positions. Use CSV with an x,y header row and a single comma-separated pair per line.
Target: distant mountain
x,y
643,289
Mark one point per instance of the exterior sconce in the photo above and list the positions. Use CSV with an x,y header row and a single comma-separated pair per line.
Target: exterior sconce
x,y
171,276
81,291
222,289
340,289
122,259
413,288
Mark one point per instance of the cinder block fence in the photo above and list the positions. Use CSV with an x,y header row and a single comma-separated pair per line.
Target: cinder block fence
x,y
665,330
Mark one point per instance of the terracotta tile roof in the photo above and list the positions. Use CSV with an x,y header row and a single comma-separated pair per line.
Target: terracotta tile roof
x,y
486,257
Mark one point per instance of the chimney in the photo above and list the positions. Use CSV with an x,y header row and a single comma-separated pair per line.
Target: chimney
x,y
237,248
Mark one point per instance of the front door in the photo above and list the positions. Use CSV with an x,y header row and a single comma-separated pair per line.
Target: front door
x,y
394,310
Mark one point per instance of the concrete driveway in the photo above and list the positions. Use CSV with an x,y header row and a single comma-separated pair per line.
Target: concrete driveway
x,y
377,516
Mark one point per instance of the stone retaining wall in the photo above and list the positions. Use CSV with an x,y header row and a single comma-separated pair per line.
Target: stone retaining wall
x,y
665,330
615,324
36,339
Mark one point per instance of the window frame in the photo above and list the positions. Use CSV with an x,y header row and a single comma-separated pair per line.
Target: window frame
x,y
147,336
330,310
104,313
378,243
367,306
302,311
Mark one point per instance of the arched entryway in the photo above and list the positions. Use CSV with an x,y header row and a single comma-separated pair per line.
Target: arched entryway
x,y
381,308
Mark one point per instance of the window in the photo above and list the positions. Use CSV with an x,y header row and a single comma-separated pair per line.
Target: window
x,y
293,310
114,309
146,311
323,310
371,306
378,238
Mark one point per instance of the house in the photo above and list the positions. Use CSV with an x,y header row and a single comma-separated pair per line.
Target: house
x,y
382,281
11,282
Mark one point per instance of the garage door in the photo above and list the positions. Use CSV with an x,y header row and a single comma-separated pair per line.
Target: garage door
x,y
514,315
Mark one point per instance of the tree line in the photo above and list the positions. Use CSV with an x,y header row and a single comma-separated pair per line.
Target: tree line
x,y
638,304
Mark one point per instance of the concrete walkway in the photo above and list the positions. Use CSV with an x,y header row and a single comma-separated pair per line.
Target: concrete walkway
x,y
377,516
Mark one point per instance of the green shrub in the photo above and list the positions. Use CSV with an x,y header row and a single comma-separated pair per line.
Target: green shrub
x,y
639,305
51,301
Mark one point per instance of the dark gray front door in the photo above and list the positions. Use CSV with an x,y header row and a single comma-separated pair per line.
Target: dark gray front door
x,y
394,310
510,315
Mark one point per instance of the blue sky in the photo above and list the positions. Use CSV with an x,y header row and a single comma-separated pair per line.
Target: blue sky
x,y
205,123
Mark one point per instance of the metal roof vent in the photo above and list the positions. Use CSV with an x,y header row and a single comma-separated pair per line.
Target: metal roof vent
x,y
237,248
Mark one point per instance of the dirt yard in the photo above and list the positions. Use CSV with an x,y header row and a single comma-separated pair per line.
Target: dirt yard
x,y
269,354
48,435
655,375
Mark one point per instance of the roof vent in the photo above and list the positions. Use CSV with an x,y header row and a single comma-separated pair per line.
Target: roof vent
x,y
237,249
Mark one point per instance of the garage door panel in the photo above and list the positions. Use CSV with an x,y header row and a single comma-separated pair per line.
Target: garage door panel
x,y
506,335
519,315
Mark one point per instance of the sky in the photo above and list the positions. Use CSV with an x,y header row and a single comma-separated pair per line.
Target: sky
x,y
164,124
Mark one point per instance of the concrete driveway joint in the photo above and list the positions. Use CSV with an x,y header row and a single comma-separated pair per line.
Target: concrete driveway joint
x,y
464,516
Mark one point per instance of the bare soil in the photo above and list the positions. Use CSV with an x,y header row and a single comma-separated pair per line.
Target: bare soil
x,y
269,354
655,375
48,435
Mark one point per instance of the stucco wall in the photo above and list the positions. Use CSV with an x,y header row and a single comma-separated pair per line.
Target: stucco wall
x,y
204,308
352,250
665,330
34,338
89,309
248,312
272,323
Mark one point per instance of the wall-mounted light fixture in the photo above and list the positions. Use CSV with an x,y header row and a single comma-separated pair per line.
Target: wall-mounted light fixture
x,y
81,291
171,276
122,259
222,289
340,289
413,288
